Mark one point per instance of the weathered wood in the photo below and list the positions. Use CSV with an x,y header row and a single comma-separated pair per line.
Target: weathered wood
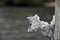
x,y
58,22
57,25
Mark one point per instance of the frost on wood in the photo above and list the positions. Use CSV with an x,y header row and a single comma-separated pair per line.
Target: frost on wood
x,y
44,27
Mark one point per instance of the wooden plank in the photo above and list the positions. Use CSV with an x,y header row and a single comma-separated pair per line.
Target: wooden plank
x,y
56,21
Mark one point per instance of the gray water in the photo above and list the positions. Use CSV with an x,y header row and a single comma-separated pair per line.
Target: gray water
x,y
13,22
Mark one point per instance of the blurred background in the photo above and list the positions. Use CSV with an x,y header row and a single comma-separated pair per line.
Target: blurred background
x,y
49,3
13,22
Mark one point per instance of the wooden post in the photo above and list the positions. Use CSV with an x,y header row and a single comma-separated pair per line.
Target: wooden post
x,y
58,23
57,20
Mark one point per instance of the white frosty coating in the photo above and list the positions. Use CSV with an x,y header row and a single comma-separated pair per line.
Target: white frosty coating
x,y
33,20
53,21
36,23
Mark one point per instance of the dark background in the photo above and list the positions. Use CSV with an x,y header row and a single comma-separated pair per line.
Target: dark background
x,y
13,22
24,2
